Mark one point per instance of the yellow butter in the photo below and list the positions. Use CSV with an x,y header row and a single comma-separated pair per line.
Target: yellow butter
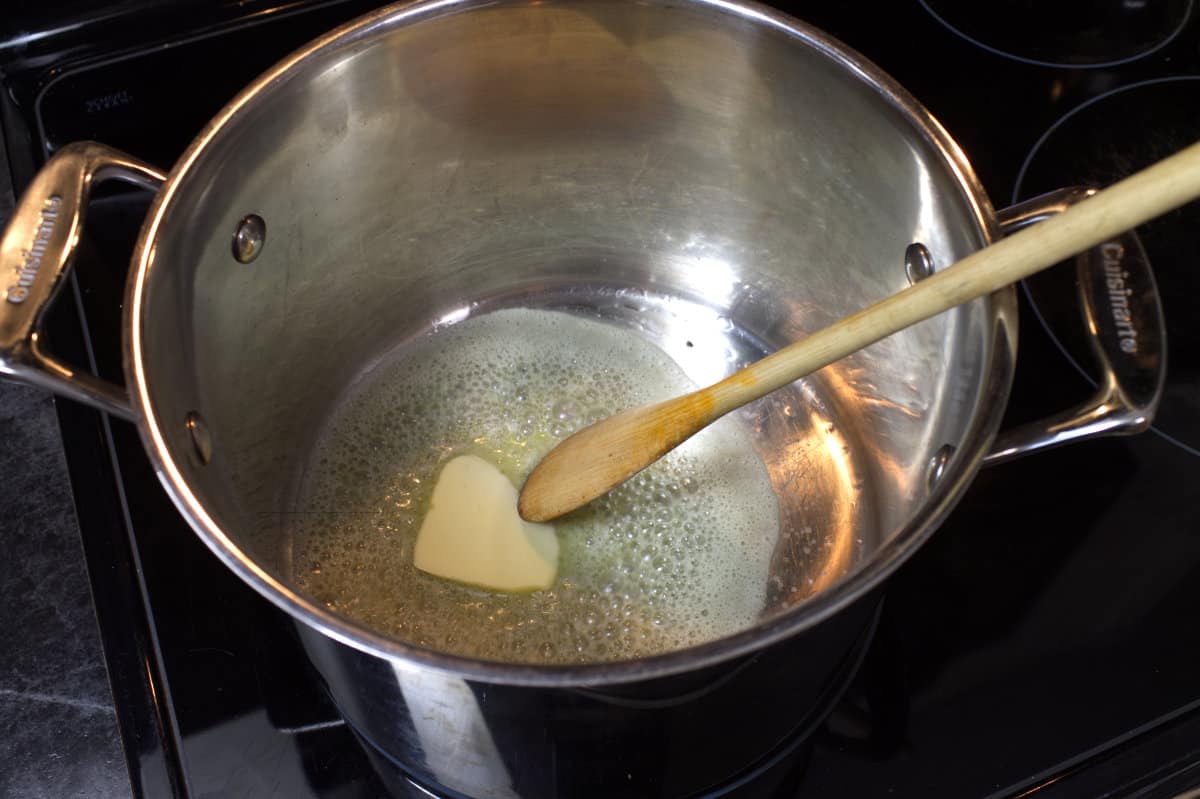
x,y
473,534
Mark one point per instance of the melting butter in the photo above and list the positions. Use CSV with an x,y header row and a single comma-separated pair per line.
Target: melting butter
x,y
474,535
677,556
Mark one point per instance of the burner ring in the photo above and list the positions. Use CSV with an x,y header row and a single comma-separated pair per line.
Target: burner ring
x,y
1160,40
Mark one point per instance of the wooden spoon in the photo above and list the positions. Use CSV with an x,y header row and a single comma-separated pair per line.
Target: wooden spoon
x,y
602,456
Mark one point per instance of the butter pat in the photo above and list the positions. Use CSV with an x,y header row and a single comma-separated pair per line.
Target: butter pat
x,y
473,534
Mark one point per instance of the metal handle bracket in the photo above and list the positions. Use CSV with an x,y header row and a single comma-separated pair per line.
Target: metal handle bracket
x,y
1124,320
36,251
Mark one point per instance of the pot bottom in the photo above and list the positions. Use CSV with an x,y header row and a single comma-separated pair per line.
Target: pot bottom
x,y
777,772
786,509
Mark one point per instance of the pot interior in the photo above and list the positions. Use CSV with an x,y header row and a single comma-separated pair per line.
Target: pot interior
x,y
715,182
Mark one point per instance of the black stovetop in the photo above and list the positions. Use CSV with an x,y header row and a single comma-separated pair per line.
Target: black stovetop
x,y
1044,641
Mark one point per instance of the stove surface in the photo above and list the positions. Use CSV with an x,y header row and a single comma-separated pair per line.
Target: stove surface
x,y
1042,643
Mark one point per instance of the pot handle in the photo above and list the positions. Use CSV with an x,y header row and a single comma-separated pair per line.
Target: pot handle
x,y
37,250
1124,319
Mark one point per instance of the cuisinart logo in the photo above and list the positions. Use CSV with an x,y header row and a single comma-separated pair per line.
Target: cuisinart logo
x,y
31,259
1118,296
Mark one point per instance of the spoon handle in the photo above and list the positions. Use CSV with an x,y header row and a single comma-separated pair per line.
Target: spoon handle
x,y
1123,206
604,455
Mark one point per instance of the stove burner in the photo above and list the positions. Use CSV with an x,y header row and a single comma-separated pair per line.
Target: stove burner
x,y
1068,33
1097,143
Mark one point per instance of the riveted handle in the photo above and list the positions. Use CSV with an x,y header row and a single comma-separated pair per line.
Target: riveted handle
x,y
37,250
1123,318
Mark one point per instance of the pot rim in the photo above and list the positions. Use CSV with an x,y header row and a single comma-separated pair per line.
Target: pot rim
x,y
998,374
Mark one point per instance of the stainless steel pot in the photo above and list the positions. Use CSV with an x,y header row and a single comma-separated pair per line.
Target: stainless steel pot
x,y
664,164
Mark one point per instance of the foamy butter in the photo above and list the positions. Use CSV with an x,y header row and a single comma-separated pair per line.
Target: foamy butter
x,y
474,535
676,556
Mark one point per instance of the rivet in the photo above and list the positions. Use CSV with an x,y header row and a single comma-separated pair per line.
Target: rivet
x,y
918,263
201,439
937,465
249,238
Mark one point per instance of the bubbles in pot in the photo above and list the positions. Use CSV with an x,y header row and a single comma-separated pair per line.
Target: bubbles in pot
x,y
676,556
